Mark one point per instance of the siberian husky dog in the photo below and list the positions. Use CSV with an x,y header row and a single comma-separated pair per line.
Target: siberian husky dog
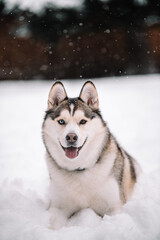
x,y
87,166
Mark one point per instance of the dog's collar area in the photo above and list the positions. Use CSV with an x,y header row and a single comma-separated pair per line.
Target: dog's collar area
x,y
79,170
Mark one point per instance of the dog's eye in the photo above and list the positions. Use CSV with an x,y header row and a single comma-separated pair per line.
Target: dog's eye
x,y
61,122
83,121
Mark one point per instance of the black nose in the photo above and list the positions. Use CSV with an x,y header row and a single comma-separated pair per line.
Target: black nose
x,y
71,138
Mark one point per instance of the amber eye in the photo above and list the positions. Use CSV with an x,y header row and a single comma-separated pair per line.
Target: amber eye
x,y
83,121
61,122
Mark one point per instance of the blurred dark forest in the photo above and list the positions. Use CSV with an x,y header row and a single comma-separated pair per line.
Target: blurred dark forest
x,y
100,38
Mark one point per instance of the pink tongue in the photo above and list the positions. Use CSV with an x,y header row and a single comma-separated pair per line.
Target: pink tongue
x,y
71,152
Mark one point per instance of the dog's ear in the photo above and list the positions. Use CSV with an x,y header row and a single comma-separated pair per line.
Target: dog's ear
x,y
56,95
89,95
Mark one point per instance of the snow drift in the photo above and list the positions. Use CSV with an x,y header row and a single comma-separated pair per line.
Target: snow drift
x,y
131,108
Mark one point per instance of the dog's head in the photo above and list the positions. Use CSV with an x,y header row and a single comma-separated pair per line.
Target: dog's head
x,y
74,131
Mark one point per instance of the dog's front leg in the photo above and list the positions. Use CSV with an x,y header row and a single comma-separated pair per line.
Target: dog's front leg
x,y
58,218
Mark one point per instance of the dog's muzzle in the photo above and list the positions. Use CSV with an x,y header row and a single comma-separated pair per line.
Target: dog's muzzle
x,y
72,152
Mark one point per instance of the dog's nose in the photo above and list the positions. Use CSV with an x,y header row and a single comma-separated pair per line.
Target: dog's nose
x,y
71,138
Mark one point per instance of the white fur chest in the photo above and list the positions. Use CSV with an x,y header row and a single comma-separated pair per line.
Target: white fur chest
x,y
94,188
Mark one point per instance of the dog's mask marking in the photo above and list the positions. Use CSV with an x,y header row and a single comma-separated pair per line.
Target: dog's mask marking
x,y
72,109
70,139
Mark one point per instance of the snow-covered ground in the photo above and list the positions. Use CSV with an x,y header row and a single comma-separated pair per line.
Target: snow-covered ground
x,y
131,106
37,6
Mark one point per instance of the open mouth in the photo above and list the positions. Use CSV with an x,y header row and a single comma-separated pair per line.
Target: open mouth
x,y
72,152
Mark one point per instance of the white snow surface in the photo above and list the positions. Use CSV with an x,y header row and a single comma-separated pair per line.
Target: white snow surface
x,y
40,4
131,106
